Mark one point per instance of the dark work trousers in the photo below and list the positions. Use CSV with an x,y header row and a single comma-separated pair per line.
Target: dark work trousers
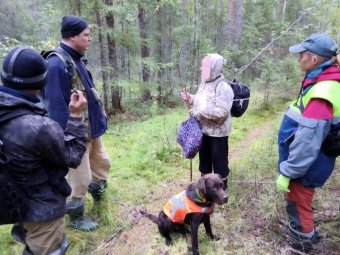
x,y
213,155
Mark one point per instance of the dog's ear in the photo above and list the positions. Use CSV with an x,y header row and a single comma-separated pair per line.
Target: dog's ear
x,y
201,185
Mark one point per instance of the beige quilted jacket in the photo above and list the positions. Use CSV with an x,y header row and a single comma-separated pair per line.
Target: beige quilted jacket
x,y
211,106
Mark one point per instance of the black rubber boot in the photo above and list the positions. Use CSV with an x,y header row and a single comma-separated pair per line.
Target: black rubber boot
x,y
97,189
301,241
63,247
60,251
27,251
75,209
19,233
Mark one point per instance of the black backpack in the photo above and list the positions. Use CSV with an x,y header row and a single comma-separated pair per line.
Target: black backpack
x,y
13,200
241,97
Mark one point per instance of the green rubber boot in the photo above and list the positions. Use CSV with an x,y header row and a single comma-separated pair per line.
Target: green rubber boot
x,y
97,189
75,209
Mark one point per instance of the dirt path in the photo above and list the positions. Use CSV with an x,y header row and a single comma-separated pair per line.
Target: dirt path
x,y
255,134
137,237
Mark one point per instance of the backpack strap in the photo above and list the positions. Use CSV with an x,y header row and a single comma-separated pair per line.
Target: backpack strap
x,y
226,81
70,65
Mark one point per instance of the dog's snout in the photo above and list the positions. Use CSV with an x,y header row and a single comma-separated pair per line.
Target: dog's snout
x,y
222,198
225,199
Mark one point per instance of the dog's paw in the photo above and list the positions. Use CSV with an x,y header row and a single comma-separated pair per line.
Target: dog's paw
x,y
214,237
168,242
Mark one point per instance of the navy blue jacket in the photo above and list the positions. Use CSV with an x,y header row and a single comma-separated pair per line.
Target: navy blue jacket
x,y
58,90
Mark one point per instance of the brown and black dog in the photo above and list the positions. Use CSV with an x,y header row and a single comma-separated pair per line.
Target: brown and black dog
x,y
198,199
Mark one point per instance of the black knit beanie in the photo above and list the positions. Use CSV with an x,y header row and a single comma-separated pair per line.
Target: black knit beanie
x,y
72,26
24,69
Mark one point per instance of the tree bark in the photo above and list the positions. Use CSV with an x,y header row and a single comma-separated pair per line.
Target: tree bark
x,y
103,60
238,22
78,7
230,23
168,48
144,51
195,57
113,60
184,48
159,50
283,13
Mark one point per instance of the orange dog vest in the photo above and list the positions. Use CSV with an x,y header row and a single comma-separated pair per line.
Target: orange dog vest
x,y
180,205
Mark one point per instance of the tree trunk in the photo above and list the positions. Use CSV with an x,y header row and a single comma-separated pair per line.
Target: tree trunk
x,y
168,44
283,13
116,95
113,61
122,50
78,7
184,48
195,56
230,23
159,50
238,22
103,60
144,51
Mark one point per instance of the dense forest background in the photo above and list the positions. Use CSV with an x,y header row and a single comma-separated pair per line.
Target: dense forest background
x,y
151,49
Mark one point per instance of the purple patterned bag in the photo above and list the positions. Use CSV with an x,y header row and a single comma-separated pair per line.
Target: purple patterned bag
x,y
190,137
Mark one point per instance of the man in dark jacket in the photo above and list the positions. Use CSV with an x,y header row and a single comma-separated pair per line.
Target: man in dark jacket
x,y
93,171
39,150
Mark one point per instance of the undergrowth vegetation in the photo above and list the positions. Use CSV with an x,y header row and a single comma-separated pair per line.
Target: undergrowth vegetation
x,y
147,167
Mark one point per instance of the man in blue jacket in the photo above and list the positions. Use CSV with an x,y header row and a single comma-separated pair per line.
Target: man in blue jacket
x,y
67,71
304,164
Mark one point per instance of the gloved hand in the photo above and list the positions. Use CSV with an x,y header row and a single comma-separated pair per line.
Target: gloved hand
x,y
282,183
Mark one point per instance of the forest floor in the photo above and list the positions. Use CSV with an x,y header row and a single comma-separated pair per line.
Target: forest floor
x,y
251,235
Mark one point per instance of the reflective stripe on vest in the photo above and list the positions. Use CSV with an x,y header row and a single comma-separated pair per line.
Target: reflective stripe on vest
x,y
180,205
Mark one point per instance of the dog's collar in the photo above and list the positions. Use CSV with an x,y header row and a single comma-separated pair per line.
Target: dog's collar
x,y
200,199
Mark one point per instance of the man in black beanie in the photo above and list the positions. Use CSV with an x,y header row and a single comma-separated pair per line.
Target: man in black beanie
x,y
93,171
39,153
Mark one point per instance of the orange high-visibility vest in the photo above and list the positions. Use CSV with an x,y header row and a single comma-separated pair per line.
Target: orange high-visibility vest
x,y
180,205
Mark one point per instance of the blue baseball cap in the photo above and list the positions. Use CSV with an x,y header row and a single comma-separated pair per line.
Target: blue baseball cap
x,y
319,44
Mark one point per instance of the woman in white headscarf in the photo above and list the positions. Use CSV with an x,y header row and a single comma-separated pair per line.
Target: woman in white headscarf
x,y
211,106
